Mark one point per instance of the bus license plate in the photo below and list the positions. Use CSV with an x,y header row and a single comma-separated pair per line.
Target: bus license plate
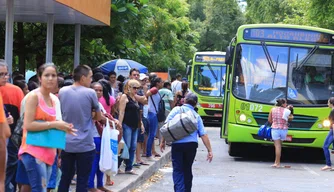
x,y
289,138
218,115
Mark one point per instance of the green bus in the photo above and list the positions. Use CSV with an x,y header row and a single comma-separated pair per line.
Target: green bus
x,y
270,61
207,80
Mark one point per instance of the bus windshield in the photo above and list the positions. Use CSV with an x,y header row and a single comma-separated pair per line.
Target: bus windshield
x,y
209,80
304,76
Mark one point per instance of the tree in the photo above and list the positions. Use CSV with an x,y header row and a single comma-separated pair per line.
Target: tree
x,y
223,17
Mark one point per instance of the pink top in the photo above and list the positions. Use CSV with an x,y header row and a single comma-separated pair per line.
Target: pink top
x,y
112,102
44,113
278,121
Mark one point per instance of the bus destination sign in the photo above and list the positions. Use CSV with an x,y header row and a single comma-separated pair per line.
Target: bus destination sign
x,y
288,35
210,58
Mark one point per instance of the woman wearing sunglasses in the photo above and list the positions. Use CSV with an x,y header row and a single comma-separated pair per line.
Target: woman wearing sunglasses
x,y
129,117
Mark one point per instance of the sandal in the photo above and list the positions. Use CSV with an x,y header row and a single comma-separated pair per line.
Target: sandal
x,y
132,172
136,165
157,155
120,171
275,166
143,163
326,168
110,183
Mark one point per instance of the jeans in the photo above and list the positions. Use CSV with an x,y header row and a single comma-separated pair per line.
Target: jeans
x,y
12,160
153,123
52,184
130,138
37,171
82,163
328,141
96,168
183,155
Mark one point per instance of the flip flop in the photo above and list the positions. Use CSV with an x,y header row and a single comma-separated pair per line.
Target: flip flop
x,y
326,168
131,172
275,166
110,183
157,155
137,165
143,163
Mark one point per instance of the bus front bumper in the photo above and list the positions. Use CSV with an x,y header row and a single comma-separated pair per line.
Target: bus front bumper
x,y
247,134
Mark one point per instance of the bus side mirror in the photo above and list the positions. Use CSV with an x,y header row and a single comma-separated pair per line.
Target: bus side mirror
x,y
228,55
190,62
188,69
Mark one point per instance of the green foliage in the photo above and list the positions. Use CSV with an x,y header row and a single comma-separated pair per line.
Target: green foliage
x,y
222,19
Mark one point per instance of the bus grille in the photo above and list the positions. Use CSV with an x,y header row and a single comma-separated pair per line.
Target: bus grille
x,y
213,112
299,122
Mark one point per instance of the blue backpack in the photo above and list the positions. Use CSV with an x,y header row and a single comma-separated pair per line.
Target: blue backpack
x,y
265,131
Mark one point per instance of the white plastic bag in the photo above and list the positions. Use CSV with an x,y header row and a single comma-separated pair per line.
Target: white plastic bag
x,y
106,153
114,148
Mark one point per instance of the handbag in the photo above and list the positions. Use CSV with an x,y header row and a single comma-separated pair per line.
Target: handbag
x,y
265,131
182,125
17,134
51,138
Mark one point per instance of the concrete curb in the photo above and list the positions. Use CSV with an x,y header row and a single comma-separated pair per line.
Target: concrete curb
x,y
126,183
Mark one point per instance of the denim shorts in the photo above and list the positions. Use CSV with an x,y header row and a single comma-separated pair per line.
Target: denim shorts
x,y
279,134
22,177
34,173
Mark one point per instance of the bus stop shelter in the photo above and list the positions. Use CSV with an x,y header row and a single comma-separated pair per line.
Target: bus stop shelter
x,y
72,12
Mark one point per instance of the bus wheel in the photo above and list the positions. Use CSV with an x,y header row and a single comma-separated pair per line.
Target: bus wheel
x,y
234,149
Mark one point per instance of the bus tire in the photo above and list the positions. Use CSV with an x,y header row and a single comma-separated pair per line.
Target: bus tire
x,y
234,149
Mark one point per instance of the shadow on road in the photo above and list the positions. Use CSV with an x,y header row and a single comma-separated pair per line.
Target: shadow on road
x,y
296,155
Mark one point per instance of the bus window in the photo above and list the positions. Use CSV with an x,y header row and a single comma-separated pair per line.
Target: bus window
x,y
254,79
209,80
312,81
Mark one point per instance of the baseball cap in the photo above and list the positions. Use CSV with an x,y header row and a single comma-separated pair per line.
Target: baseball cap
x,y
191,97
142,76
184,79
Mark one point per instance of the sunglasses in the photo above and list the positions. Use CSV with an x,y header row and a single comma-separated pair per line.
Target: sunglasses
x,y
136,88
4,74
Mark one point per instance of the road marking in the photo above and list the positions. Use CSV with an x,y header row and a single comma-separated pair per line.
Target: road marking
x,y
310,170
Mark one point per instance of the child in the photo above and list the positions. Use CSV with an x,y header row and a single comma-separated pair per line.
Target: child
x,y
288,113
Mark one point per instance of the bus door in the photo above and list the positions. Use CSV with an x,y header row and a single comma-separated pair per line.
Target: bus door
x,y
226,100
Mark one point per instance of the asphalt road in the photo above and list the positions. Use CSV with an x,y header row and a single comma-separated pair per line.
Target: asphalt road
x,y
249,174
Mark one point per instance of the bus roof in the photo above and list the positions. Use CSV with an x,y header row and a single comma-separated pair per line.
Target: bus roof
x,y
242,27
210,53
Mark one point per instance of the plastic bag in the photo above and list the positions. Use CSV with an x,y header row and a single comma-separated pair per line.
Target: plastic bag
x,y
114,148
125,153
106,152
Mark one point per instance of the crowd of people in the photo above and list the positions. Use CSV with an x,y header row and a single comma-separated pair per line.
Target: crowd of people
x,y
80,104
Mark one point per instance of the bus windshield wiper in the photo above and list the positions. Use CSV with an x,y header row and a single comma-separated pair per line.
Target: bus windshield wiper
x,y
266,52
308,56
212,72
272,85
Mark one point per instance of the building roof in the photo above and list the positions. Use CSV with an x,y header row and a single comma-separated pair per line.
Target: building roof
x,y
85,12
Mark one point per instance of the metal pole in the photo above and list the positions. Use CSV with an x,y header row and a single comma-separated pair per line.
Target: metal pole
x,y
49,37
9,35
77,45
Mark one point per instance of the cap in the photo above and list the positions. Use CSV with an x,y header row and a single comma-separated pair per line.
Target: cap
x,y
142,76
184,79
191,96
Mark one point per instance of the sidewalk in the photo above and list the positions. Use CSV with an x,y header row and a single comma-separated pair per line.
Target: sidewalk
x,y
126,182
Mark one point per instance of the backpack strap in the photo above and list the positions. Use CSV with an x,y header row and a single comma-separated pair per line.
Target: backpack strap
x,y
153,104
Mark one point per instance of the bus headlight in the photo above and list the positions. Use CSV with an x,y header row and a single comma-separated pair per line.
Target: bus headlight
x,y
242,117
326,123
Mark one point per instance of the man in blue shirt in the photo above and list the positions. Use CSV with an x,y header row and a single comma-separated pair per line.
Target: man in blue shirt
x,y
184,150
